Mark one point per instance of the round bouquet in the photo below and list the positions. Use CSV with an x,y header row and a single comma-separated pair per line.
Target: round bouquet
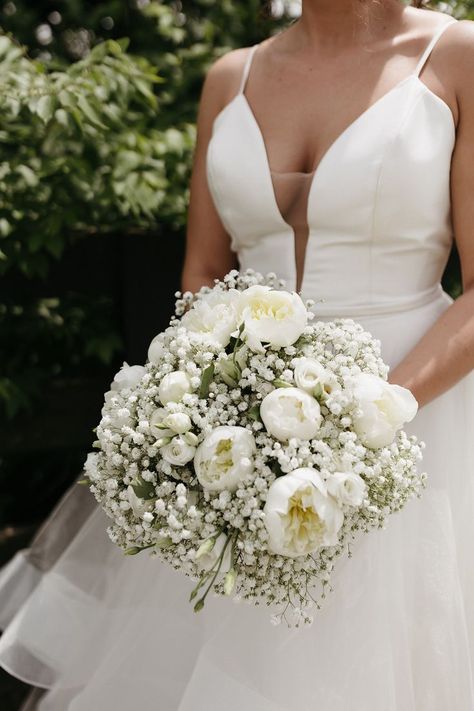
x,y
254,445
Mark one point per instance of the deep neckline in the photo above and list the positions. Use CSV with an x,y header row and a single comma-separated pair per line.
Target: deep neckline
x,y
345,130
332,147
339,138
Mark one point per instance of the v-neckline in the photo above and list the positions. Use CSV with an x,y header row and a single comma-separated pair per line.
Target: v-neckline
x,y
332,146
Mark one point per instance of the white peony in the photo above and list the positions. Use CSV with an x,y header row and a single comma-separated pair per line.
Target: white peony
x,y
383,409
127,377
213,317
313,377
173,386
224,458
300,515
347,488
290,412
156,349
270,316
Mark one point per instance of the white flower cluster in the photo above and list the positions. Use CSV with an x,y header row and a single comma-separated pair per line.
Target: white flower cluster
x,y
253,445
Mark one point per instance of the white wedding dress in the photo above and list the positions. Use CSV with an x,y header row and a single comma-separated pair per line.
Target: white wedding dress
x,y
366,235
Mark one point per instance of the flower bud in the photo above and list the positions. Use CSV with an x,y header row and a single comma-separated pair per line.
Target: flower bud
x,y
205,547
179,422
229,581
191,439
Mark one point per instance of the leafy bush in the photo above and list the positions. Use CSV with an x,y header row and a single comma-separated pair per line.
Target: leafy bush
x,y
81,150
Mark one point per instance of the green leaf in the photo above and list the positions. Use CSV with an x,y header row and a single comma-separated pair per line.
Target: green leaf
x,y
254,413
89,112
206,380
29,176
45,107
143,489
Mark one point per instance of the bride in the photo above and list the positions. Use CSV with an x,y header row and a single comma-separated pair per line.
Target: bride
x,y
338,154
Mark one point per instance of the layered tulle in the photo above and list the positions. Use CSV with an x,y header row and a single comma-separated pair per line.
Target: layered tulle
x,y
106,632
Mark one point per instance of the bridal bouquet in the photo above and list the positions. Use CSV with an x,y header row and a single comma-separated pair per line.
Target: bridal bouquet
x,y
254,445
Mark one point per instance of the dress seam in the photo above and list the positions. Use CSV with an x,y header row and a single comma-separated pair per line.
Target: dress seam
x,y
388,146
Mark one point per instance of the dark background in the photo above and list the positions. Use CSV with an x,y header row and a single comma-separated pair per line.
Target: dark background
x,y
96,149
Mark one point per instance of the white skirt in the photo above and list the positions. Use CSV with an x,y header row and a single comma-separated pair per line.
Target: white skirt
x,y
106,632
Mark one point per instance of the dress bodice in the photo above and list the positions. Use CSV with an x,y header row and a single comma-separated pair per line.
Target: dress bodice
x,y
370,229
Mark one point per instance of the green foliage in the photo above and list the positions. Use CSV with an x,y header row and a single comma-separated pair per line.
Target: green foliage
x,y
46,338
81,149
94,140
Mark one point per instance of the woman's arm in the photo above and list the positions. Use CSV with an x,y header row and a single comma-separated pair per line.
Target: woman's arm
x,y
445,353
208,254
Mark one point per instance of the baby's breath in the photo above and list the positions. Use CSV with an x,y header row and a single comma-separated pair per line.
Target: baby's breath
x,y
159,505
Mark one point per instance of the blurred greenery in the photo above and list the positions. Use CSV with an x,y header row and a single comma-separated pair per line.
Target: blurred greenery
x,y
96,138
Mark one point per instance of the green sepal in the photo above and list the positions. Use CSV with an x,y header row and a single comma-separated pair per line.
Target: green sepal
x,y
137,549
199,605
254,413
278,383
206,380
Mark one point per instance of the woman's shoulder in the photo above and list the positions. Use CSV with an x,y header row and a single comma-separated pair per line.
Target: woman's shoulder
x,y
459,36
223,76
228,67
454,51
456,54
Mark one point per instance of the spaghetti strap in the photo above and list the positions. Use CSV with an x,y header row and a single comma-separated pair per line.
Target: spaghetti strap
x,y
431,44
248,62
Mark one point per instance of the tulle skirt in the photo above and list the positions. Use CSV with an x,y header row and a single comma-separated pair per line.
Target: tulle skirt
x,y
101,631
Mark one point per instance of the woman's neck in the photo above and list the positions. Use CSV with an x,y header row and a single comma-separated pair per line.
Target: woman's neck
x,y
332,24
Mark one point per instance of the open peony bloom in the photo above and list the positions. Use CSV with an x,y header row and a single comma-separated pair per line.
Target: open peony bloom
x,y
300,515
213,317
271,316
384,408
290,412
224,458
